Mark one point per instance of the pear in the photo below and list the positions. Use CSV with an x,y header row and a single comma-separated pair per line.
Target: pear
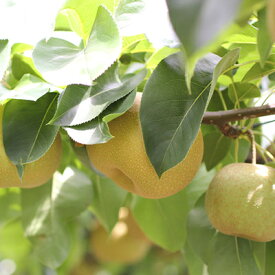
x,y
124,159
240,201
126,243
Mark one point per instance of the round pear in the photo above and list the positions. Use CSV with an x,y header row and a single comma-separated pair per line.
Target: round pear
x,y
36,173
124,159
240,201
126,244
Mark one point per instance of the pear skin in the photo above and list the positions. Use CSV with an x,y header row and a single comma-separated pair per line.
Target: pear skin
x,y
240,201
124,159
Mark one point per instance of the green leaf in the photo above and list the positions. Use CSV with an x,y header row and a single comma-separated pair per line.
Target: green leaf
x,y
170,116
243,91
257,71
163,220
68,19
199,231
194,24
79,104
92,132
10,201
62,63
232,255
106,201
269,258
5,48
199,185
129,15
26,135
97,131
29,87
86,11
159,55
223,254
216,147
243,151
22,65
227,61
247,8
63,199
194,264
264,41
15,246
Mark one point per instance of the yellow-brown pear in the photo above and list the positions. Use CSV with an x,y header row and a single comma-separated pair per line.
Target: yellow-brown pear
x,y
240,201
35,173
124,159
126,243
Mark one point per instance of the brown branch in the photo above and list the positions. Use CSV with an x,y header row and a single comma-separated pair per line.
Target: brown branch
x,y
221,118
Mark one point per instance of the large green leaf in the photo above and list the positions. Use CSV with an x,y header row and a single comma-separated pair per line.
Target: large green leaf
x,y
97,131
194,24
64,63
26,135
47,209
106,201
79,104
5,48
170,116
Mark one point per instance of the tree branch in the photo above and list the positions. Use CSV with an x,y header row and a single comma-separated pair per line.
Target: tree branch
x,y
221,118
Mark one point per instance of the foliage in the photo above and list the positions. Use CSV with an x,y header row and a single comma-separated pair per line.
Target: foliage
x,y
70,67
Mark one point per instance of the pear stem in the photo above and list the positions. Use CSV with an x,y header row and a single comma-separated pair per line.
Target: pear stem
x,y
251,136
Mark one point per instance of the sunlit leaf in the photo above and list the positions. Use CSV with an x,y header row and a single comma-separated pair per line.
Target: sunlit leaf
x,y
97,131
63,63
79,104
29,87
129,15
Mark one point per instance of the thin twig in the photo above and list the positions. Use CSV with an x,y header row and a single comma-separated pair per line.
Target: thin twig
x,y
221,118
